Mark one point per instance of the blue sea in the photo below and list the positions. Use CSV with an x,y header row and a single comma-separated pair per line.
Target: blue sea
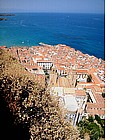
x,y
84,32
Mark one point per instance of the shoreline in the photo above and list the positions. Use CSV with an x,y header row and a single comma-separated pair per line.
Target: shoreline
x,y
2,16
44,44
88,38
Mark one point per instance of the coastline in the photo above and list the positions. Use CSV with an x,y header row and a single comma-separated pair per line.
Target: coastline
x,y
2,15
81,34
43,44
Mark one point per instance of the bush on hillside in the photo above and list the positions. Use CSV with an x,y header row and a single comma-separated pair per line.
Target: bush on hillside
x,y
31,104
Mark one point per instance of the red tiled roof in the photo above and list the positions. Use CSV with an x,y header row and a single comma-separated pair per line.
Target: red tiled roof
x,y
82,71
93,109
80,93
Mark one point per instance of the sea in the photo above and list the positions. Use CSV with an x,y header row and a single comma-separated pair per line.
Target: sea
x,y
83,31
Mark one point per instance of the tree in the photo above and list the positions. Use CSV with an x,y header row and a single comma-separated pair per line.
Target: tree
x,y
30,104
90,119
101,122
89,127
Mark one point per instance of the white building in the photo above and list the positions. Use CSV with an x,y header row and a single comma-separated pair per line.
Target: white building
x,y
45,64
72,106
82,75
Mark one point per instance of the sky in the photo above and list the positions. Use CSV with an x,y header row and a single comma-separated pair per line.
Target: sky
x,y
62,6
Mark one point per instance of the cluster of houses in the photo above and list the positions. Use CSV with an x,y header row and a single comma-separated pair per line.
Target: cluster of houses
x,y
77,79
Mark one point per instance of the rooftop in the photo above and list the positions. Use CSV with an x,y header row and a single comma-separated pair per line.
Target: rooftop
x,y
80,93
70,103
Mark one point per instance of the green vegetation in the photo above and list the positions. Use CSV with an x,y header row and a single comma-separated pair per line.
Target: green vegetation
x,y
101,122
92,128
84,88
31,106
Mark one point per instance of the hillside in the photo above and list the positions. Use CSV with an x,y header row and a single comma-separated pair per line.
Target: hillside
x,y
27,109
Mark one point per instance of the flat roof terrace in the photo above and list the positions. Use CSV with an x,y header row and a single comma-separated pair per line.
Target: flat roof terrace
x,y
70,103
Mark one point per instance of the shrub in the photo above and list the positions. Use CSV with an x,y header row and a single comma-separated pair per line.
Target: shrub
x,y
31,104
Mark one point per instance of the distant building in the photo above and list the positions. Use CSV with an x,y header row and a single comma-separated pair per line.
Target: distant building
x,y
3,47
74,101
96,109
81,99
61,70
96,106
72,106
45,64
82,75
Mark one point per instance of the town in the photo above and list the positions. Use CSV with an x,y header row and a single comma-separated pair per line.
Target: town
x,y
76,79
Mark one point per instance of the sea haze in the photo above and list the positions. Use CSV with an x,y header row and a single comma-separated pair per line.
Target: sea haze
x,y
84,32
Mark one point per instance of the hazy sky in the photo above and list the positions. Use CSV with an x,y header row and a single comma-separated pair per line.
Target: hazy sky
x,y
76,6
